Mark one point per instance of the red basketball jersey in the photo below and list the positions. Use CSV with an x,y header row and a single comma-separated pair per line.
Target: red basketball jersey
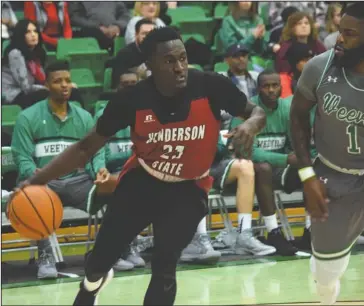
x,y
176,151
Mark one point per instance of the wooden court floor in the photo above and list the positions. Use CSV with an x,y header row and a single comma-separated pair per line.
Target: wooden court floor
x,y
274,282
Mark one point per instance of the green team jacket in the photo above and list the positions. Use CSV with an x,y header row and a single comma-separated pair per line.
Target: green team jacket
x,y
273,144
118,149
39,136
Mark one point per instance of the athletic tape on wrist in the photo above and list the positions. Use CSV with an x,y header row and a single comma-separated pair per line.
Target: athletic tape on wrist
x,y
306,173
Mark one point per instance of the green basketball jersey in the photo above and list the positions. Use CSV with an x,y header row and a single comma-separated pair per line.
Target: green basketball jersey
x,y
39,136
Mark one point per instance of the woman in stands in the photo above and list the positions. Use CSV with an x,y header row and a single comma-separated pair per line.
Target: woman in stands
x,y
23,76
300,27
143,9
333,18
52,18
243,26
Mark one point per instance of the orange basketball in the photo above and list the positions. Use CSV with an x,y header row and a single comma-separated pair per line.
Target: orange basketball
x,y
35,212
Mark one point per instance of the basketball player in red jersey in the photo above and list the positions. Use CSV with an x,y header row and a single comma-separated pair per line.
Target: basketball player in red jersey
x,y
174,117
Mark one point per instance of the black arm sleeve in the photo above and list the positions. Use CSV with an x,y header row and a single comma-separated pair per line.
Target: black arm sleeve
x,y
224,95
118,114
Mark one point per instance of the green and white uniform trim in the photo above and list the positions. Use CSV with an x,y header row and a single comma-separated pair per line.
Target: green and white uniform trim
x,y
39,135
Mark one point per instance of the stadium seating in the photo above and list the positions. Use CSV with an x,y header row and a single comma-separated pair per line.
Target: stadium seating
x,y
221,67
83,53
107,80
207,6
195,36
220,11
86,83
9,113
192,20
119,43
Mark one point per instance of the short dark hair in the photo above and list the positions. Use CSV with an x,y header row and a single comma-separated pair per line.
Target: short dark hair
x,y
156,36
141,22
57,66
268,71
355,9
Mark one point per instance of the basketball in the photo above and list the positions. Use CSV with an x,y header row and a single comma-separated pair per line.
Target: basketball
x,y
35,212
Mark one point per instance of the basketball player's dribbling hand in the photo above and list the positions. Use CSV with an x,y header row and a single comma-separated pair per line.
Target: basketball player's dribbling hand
x,y
316,199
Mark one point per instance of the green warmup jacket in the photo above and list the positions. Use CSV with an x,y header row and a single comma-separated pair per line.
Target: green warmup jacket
x,y
273,144
118,149
39,136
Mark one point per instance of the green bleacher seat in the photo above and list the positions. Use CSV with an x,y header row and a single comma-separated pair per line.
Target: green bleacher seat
x,y
86,83
9,114
221,67
119,43
205,5
217,48
4,44
264,12
186,13
195,66
19,15
100,104
220,11
83,53
107,79
261,62
198,37
192,20
51,57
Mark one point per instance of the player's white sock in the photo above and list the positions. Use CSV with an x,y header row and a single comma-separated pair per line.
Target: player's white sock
x,y
92,286
244,222
327,274
307,220
201,228
270,222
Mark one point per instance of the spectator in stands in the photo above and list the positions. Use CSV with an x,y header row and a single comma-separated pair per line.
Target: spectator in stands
x,y
272,153
300,27
333,18
42,132
130,57
52,18
237,57
143,9
297,55
243,26
103,20
126,79
332,21
8,20
276,32
22,73
316,9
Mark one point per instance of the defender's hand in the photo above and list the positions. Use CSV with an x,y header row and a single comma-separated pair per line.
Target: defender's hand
x,y
316,199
